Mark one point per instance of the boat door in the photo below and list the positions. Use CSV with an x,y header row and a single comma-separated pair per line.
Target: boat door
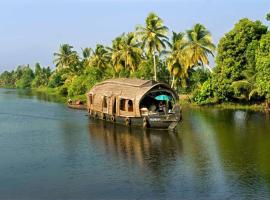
x,y
113,105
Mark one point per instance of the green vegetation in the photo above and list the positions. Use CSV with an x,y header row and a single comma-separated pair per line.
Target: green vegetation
x,y
242,67
241,75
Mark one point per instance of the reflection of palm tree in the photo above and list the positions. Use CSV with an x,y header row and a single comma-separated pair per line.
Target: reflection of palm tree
x,y
153,36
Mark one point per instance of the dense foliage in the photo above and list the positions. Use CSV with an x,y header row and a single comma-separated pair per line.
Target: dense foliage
x,y
241,66
241,74
144,53
24,77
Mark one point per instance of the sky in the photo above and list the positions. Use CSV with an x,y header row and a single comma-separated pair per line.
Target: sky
x,y
32,30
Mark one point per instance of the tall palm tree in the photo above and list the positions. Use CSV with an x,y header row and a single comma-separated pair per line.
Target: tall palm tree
x,y
268,17
177,61
115,54
85,59
66,57
86,53
199,46
100,57
129,52
153,36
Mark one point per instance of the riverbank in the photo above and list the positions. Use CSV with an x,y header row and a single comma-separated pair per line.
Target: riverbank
x,y
55,92
185,100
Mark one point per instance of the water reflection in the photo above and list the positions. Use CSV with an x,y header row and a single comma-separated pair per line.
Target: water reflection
x,y
137,146
220,154
50,151
232,142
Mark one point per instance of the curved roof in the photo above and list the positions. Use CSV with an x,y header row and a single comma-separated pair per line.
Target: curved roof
x,y
128,88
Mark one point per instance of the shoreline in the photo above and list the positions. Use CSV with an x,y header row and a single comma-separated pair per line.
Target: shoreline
x,y
184,101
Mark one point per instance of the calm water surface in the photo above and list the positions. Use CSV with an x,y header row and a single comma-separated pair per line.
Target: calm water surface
x,y
48,151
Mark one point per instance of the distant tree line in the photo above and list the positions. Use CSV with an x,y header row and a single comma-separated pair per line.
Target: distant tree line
x,y
242,71
24,77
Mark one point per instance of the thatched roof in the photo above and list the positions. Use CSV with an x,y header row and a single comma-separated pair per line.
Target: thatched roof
x,y
128,88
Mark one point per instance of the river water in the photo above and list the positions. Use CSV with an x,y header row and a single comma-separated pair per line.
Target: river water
x,y
48,151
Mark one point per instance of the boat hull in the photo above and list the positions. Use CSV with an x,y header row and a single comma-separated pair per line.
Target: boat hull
x,y
145,122
78,107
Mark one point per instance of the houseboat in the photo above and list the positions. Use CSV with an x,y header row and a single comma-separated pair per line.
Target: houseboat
x,y
135,102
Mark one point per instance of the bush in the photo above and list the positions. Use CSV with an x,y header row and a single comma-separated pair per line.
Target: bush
x,y
63,91
78,86
55,80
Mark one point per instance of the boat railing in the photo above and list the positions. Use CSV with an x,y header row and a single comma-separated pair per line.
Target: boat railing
x,y
170,115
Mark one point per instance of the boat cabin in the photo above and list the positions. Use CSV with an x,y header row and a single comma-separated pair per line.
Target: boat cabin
x,y
130,98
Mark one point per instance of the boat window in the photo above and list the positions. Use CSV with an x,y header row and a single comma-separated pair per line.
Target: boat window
x,y
130,106
90,98
122,104
105,102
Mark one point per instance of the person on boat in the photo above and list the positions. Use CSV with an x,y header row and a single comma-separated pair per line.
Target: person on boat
x,y
79,102
161,107
69,101
153,108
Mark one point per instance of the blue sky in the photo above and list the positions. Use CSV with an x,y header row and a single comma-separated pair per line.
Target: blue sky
x,y
32,30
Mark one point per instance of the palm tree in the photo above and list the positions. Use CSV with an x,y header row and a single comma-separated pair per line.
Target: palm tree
x,y
153,37
115,54
66,57
86,55
246,88
100,57
268,17
199,46
128,52
177,62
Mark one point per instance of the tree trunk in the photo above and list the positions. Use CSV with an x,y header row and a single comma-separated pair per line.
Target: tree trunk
x,y
267,104
172,86
209,68
155,67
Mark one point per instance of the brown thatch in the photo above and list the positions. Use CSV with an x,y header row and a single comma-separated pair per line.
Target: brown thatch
x,y
103,96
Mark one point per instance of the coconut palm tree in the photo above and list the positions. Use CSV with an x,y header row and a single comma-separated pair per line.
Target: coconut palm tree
x,y
115,54
66,58
177,61
268,17
86,55
100,57
129,52
199,46
153,36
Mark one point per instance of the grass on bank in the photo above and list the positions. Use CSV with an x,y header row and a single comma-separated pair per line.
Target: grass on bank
x,y
185,100
55,92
